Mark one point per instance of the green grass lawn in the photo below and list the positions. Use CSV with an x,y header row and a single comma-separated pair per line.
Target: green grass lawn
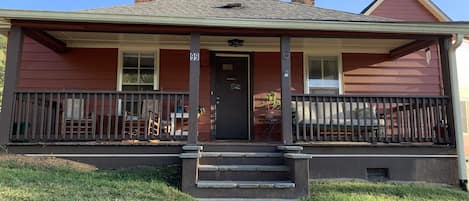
x,y
364,191
31,179
54,179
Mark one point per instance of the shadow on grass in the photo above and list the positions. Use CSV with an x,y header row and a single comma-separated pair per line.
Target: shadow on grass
x,y
170,175
41,181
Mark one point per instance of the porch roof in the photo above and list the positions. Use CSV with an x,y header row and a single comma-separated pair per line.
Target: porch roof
x,y
8,17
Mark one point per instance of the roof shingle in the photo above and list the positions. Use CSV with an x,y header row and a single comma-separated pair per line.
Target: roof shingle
x,y
250,9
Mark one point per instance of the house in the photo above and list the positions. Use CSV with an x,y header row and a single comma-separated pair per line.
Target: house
x,y
252,98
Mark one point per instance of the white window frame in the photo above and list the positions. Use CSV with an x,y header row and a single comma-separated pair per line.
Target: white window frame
x,y
120,65
306,56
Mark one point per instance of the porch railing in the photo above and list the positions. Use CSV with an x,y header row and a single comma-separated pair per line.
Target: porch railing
x,y
44,116
388,119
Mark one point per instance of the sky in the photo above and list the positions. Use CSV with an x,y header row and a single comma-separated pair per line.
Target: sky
x,y
458,10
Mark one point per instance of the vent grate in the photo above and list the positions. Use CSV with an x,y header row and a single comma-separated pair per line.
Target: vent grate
x,y
377,174
232,5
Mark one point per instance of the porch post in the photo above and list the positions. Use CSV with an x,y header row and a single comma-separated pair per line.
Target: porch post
x,y
286,89
194,87
445,46
13,62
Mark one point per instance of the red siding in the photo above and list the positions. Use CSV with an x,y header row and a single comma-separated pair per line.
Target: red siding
x,y
374,74
174,76
79,68
266,78
408,10
410,75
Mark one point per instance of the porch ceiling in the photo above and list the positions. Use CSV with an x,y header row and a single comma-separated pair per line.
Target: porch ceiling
x,y
316,45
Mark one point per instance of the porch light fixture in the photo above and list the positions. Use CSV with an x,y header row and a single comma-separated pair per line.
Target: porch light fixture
x,y
236,43
428,55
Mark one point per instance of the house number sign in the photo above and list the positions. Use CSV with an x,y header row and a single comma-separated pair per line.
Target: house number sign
x,y
195,56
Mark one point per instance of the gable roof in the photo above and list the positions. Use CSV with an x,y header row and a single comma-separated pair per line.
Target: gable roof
x,y
249,9
428,4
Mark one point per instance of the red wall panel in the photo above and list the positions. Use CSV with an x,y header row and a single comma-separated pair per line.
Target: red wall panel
x,y
79,68
374,74
266,78
174,76
410,75
408,10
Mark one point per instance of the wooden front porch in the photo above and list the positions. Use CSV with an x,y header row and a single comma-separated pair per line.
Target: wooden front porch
x,y
131,117
39,112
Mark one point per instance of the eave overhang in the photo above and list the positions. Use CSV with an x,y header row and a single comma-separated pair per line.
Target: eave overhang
x,y
424,28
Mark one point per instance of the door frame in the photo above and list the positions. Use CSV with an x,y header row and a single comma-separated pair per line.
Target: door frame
x,y
213,74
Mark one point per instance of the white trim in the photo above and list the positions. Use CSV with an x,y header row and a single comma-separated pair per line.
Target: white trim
x,y
156,51
157,69
381,156
384,27
341,74
248,56
373,7
84,44
232,55
308,54
103,155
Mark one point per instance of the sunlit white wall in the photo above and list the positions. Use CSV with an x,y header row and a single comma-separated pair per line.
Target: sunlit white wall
x,y
463,75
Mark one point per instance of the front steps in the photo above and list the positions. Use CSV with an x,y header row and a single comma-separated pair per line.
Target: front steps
x,y
245,172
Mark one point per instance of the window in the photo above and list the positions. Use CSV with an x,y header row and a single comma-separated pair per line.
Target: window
x,y
323,75
138,71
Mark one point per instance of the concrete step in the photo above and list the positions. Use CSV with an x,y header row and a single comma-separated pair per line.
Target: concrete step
x,y
240,161
244,172
245,184
244,176
244,168
243,190
240,147
241,158
242,155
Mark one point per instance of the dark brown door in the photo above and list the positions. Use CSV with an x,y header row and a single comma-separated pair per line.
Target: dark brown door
x,y
231,94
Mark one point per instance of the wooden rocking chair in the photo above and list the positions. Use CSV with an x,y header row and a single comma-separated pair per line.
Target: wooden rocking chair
x,y
153,129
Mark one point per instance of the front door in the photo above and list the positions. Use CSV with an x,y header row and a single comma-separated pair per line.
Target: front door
x,y
231,96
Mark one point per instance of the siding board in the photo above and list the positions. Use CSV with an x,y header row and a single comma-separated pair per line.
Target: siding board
x,y
418,77
409,10
174,76
266,78
374,74
79,68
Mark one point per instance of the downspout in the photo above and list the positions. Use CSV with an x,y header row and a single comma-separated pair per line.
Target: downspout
x,y
459,38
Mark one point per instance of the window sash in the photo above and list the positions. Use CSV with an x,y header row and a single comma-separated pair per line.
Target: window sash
x,y
324,83
141,69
